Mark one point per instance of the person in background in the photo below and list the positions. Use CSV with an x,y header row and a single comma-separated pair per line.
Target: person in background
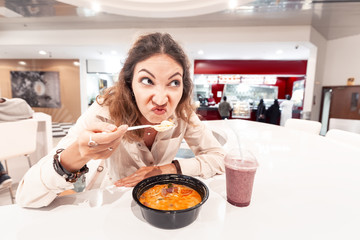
x,y
154,85
202,100
260,112
5,179
286,109
224,108
273,113
211,100
13,109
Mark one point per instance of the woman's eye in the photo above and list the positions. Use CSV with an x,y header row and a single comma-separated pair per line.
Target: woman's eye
x,y
146,81
175,83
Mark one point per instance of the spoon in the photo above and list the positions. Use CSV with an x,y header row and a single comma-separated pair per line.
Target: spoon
x,y
163,126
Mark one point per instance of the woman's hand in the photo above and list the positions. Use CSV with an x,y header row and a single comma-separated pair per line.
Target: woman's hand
x,y
145,172
98,142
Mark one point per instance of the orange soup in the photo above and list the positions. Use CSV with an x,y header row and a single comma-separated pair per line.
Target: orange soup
x,y
170,197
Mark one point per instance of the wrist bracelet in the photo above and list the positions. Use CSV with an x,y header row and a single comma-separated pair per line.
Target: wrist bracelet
x,y
69,176
177,166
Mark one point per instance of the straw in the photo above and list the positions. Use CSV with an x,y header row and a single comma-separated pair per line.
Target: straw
x,y
239,144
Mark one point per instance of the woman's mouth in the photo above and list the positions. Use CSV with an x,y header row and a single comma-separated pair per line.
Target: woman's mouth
x,y
159,111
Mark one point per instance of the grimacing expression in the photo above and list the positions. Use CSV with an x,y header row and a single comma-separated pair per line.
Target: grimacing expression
x,y
158,86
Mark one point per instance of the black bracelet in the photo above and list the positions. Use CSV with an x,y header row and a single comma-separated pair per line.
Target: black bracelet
x,y
177,166
69,176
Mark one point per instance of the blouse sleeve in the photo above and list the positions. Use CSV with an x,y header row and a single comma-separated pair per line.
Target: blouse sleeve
x,y
209,155
41,184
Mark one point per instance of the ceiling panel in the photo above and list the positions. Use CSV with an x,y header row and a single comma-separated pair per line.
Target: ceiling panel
x,y
332,19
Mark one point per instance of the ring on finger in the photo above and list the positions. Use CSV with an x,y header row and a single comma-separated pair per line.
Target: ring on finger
x,y
92,143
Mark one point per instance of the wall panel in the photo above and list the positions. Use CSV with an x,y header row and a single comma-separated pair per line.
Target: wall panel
x,y
69,84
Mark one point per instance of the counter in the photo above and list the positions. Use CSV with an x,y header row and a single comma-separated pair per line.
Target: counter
x,y
208,113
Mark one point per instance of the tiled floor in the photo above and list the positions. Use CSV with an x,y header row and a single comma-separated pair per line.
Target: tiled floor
x,y
17,168
60,129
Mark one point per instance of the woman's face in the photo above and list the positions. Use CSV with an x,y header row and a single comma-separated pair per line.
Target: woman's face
x,y
158,86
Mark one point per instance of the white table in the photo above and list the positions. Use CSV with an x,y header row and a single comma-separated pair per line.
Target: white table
x,y
307,187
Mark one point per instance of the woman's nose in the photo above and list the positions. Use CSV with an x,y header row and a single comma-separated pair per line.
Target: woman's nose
x,y
160,97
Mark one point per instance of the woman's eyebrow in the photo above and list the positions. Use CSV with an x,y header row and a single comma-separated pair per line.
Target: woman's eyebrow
x,y
152,75
144,70
177,73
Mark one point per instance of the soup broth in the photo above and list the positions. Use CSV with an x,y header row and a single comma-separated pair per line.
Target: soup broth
x,y
170,197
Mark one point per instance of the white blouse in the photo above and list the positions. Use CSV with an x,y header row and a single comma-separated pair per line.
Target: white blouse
x,y
41,184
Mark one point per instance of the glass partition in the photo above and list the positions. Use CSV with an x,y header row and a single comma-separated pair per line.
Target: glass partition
x,y
250,93
298,93
97,83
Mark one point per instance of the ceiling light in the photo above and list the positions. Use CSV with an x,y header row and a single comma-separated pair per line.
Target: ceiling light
x,y
157,8
232,4
22,63
85,12
248,8
42,52
95,6
200,52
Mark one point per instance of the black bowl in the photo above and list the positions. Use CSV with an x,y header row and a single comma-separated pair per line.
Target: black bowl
x,y
170,219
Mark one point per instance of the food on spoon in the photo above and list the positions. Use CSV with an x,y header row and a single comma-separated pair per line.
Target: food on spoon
x,y
164,126
170,197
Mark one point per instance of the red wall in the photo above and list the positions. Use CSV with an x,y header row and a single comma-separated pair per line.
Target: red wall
x,y
214,89
285,85
258,67
297,67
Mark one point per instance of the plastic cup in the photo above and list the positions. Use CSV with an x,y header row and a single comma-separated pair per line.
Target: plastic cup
x,y
240,172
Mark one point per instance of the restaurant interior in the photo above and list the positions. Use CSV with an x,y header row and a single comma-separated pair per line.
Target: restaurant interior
x,y
246,50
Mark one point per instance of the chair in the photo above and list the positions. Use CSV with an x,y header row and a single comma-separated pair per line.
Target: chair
x,y
312,127
18,138
344,137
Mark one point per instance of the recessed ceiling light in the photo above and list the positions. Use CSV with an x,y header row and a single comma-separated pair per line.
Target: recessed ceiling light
x,y
200,52
76,63
95,6
232,4
42,52
22,63
248,8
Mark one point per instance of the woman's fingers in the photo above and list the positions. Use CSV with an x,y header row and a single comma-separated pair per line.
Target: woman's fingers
x,y
142,173
100,140
129,181
92,143
107,133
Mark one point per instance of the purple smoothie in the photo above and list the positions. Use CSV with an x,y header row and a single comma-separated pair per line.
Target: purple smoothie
x,y
239,182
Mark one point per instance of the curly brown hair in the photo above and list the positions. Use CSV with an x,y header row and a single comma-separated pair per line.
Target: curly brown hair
x,y
120,98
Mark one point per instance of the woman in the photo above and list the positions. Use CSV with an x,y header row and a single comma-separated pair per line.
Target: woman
x,y
154,85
